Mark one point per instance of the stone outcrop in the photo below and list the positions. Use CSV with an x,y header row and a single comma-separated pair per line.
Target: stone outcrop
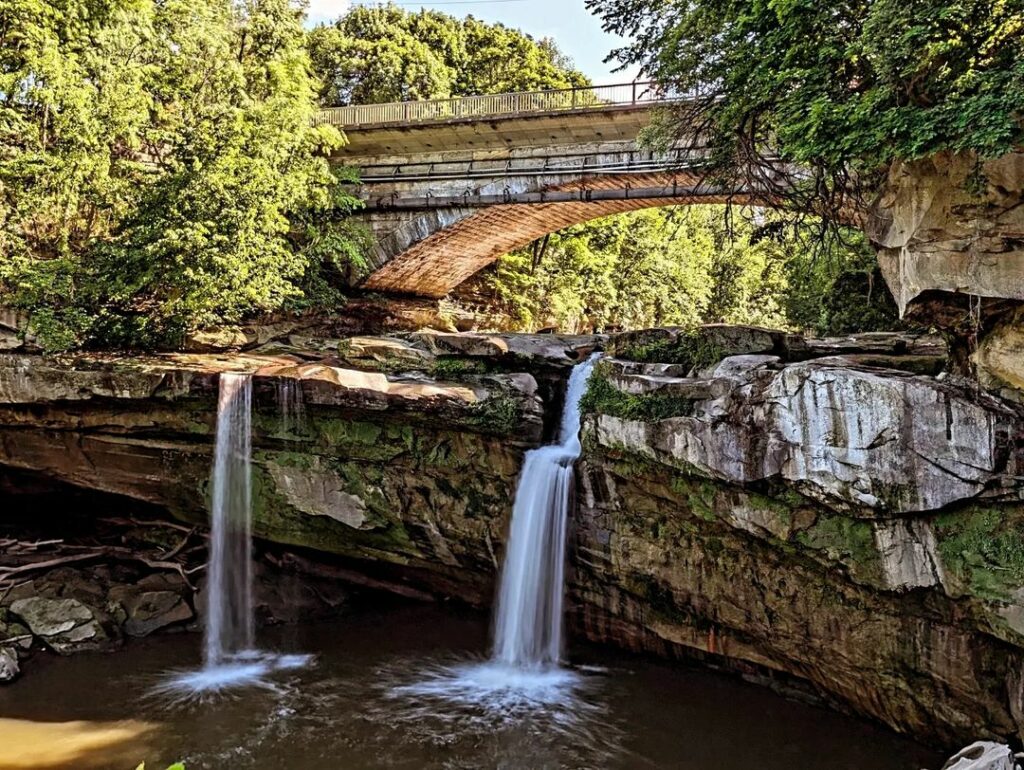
x,y
999,358
851,435
790,511
951,224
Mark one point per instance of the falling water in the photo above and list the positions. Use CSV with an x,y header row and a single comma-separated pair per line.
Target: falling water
x,y
523,679
229,618
230,657
528,619
290,404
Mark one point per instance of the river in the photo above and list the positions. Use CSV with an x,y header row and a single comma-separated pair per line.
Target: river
x,y
360,705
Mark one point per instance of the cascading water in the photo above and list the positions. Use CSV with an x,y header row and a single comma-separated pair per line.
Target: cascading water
x,y
229,618
290,404
528,618
230,657
523,677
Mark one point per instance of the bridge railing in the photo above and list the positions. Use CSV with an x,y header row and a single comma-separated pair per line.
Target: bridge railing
x,y
557,100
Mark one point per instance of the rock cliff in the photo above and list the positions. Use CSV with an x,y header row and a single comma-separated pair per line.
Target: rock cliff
x,y
831,514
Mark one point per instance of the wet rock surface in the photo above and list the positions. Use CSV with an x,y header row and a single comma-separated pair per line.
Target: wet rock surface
x,y
983,755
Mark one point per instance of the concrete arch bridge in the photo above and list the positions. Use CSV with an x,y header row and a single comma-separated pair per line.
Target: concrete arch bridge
x,y
450,185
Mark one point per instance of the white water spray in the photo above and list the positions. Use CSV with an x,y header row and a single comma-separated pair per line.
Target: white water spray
x,y
523,679
528,618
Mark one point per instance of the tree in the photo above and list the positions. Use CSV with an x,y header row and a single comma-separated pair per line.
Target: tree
x,y
383,54
683,266
841,88
158,169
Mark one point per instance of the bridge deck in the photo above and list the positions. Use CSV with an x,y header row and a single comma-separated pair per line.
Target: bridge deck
x,y
476,108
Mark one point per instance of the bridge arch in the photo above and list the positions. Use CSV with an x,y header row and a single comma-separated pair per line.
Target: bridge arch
x,y
434,251
452,185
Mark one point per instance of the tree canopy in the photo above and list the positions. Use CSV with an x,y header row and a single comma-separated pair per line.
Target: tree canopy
x,y
158,170
843,88
384,54
683,266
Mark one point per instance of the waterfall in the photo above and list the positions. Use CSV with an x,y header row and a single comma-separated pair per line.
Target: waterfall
x,y
528,618
230,657
229,619
290,404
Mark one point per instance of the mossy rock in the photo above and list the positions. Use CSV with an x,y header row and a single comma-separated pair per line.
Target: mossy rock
x,y
695,349
602,397
982,549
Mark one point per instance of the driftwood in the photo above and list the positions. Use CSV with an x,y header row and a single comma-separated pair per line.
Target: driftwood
x,y
162,523
94,553
41,555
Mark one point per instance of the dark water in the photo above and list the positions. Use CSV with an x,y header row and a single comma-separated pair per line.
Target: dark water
x,y
364,705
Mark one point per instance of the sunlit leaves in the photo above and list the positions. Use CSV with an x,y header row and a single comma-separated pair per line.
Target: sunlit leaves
x,y
158,169
844,87
385,54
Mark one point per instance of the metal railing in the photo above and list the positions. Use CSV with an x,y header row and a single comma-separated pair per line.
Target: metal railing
x,y
559,100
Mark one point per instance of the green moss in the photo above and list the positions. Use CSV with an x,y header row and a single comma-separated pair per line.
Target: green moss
x,y
276,519
457,367
984,549
847,540
602,397
691,349
500,414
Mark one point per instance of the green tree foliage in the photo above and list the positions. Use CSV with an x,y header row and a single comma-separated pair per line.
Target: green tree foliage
x,y
384,54
685,266
843,88
158,171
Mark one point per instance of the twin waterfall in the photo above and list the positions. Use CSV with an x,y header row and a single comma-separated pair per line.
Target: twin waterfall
x,y
230,656
528,617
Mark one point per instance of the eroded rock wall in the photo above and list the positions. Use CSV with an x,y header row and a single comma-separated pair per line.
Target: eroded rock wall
x,y
855,527
952,223
408,473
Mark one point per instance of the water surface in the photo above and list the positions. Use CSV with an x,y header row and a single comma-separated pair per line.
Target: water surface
x,y
380,695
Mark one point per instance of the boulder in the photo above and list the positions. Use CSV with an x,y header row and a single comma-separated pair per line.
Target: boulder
x,y
65,625
871,439
983,755
149,611
9,668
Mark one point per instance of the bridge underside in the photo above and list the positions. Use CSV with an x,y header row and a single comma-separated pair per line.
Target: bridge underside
x,y
443,260
431,253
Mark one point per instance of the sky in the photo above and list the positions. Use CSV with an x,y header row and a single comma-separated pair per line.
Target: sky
x,y
576,31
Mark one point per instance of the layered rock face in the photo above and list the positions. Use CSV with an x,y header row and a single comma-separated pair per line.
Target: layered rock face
x,y
854,526
405,456
829,512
